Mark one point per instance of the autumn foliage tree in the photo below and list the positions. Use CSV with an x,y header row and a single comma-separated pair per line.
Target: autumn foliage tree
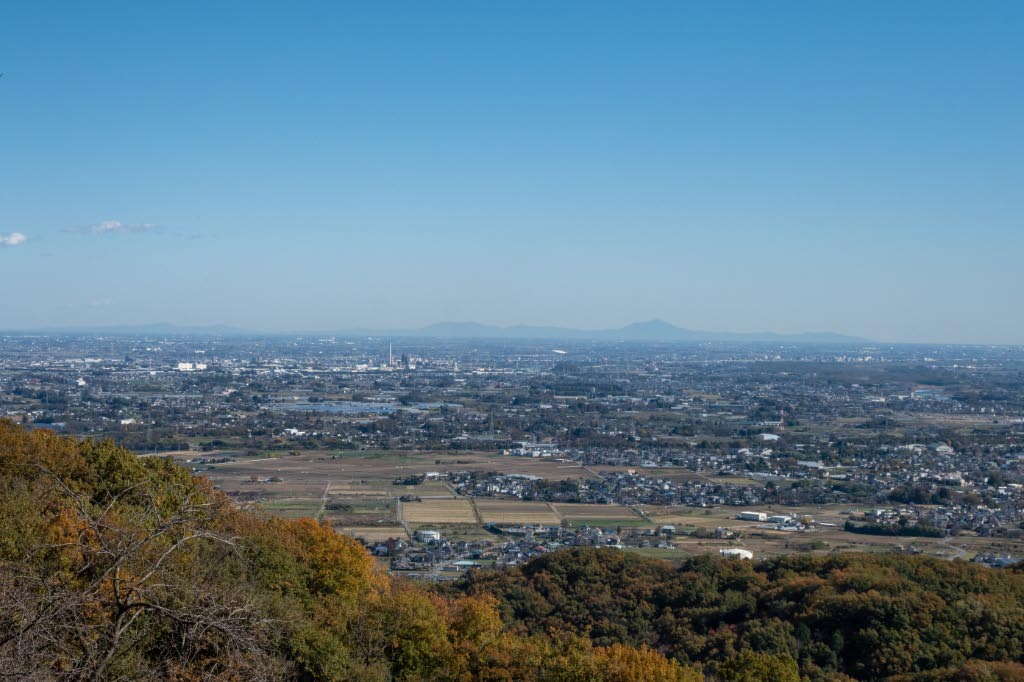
x,y
119,567
115,567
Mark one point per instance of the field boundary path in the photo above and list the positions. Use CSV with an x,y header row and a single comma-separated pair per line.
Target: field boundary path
x,y
401,517
323,501
476,511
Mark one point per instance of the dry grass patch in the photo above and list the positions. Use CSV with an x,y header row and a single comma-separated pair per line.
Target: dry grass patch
x,y
515,512
438,511
594,511
373,533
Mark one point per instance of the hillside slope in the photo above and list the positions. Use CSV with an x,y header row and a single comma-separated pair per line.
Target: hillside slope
x,y
114,567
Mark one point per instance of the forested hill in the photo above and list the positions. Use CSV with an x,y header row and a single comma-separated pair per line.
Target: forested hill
x,y
119,568
867,617
114,567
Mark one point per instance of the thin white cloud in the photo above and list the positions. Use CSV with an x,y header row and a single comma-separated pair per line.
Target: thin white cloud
x,y
13,239
112,227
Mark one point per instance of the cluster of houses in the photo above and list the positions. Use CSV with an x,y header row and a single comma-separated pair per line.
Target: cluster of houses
x,y
431,554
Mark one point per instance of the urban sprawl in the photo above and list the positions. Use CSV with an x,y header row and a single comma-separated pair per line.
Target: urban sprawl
x,y
442,455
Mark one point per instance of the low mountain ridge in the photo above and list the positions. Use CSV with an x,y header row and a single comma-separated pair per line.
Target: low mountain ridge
x,y
654,330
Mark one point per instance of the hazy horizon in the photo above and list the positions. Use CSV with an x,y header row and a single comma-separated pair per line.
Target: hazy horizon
x,y
398,328
813,167
465,330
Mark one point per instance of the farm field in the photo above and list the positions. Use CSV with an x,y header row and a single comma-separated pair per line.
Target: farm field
x,y
293,507
373,534
517,512
367,472
357,494
360,511
592,512
438,512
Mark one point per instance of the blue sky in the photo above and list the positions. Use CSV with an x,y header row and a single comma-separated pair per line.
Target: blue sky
x,y
854,167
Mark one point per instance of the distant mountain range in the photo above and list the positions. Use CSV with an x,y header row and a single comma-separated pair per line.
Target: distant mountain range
x,y
651,330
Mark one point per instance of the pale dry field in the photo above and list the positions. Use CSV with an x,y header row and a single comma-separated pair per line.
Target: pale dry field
x,y
516,512
374,533
438,511
594,511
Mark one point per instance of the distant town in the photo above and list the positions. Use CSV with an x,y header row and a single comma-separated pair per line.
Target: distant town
x,y
442,454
